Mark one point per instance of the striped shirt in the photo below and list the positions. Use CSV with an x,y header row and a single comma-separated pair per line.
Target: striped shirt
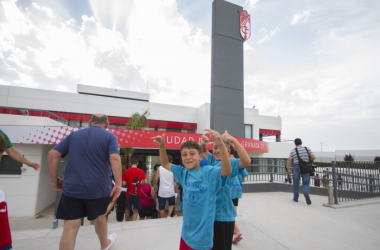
x,y
302,152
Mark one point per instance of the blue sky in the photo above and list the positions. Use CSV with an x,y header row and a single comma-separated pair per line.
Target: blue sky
x,y
314,63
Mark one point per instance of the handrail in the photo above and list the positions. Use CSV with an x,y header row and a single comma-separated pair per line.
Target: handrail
x,y
58,118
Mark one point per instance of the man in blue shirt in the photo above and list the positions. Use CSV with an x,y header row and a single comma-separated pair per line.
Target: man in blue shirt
x,y
225,212
86,187
199,185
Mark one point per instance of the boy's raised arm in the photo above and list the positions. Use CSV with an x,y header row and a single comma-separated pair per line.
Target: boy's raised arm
x,y
245,160
226,164
204,142
160,141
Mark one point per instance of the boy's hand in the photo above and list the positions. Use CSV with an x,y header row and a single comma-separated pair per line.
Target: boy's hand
x,y
227,137
214,136
159,140
205,140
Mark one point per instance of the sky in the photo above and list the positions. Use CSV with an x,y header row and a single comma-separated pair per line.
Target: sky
x,y
313,63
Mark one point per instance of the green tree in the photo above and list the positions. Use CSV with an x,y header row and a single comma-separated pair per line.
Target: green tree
x,y
348,158
136,122
126,154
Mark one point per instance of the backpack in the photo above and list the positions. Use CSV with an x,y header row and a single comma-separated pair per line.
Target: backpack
x,y
135,186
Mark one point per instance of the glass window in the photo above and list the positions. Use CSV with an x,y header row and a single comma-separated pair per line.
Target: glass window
x,y
74,123
85,124
9,166
248,131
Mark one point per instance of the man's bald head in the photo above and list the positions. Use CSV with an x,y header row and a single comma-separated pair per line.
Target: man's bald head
x,y
99,120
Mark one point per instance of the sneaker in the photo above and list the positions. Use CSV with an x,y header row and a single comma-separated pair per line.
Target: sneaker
x,y
112,237
307,197
295,200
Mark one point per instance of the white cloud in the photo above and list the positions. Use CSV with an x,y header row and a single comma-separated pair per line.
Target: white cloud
x,y
304,15
322,79
267,37
247,47
155,45
252,3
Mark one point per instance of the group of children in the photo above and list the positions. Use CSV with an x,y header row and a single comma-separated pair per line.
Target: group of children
x,y
208,210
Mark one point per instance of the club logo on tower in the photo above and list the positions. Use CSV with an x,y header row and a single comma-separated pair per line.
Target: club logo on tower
x,y
245,25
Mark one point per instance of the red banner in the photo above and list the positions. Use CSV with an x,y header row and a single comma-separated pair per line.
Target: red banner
x,y
174,140
269,132
125,137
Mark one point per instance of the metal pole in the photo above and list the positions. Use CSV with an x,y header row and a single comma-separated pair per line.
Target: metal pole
x,y
320,157
334,183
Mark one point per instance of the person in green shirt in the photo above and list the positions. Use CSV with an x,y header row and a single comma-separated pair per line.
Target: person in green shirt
x,y
15,155
3,144
7,146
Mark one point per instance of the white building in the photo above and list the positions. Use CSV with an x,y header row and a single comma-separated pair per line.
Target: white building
x,y
26,109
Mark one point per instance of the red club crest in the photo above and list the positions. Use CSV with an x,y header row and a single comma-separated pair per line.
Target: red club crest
x,y
245,25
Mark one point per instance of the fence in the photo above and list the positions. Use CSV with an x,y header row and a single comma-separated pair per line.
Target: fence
x,y
351,180
355,180
276,173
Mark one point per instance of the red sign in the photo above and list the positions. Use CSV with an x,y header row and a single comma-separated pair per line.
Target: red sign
x,y
245,25
269,132
174,140
125,137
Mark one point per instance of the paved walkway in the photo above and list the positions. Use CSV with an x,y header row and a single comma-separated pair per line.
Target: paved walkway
x,y
267,220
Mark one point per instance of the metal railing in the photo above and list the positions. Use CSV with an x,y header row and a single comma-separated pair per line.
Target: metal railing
x,y
35,112
276,173
355,180
350,180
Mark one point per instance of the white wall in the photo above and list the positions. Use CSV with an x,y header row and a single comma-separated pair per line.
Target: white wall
x,y
22,98
21,191
20,120
324,156
45,193
203,119
270,122
19,97
29,193
251,116
176,113
276,150
359,155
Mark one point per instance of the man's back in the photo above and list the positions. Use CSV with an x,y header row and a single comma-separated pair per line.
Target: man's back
x,y
166,183
88,163
302,153
129,176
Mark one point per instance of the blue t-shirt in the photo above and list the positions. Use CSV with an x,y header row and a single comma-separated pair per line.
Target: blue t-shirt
x,y
88,170
199,189
225,210
237,185
203,162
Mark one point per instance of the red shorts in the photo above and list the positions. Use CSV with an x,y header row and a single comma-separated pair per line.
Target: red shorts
x,y
183,246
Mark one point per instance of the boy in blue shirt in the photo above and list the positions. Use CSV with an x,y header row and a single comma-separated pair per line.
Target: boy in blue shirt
x,y
225,212
199,189
236,194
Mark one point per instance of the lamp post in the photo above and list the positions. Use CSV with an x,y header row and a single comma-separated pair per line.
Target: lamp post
x,y
320,157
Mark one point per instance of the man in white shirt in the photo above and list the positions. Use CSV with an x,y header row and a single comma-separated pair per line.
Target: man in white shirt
x,y
166,191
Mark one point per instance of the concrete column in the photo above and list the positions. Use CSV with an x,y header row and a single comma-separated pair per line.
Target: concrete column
x,y
227,69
